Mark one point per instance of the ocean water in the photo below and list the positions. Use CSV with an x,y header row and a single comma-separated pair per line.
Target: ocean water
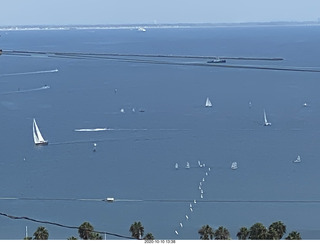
x,y
135,157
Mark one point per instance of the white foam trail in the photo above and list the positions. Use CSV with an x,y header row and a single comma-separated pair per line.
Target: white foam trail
x,y
91,130
28,90
109,129
31,72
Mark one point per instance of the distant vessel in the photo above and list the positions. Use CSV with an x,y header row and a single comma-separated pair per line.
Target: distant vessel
x,y
176,166
305,105
142,29
37,137
266,123
234,165
208,103
217,60
297,160
188,165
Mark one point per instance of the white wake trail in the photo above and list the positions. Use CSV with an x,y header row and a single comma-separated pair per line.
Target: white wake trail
x,y
27,90
31,72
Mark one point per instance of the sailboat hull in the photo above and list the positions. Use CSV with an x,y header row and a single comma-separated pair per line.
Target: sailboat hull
x,y
43,143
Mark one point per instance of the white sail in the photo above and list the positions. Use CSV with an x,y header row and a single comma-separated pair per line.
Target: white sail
x,y
234,165
298,160
266,123
208,103
37,137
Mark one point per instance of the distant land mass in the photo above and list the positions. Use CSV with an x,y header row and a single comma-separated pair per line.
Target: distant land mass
x,y
154,26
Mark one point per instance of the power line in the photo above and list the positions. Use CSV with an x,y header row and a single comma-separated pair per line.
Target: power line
x,y
61,225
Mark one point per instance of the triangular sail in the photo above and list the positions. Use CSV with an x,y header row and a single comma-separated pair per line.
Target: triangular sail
x,y
37,137
208,103
265,117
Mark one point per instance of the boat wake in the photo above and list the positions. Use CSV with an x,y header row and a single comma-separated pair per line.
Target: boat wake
x,y
27,90
109,129
91,130
31,72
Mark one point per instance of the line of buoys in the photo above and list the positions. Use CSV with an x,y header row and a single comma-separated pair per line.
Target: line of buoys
x,y
201,190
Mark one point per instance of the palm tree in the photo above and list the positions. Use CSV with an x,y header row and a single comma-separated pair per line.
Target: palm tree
x,y
85,231
95,236
258,232
148,236
41,234
206,233
276,230
222,234
137,230
72,238
243,233
294,235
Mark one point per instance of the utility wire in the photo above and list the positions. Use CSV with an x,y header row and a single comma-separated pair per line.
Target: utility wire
x,y
61,225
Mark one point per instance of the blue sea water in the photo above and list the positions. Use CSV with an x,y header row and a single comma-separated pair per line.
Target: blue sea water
x,y
135,158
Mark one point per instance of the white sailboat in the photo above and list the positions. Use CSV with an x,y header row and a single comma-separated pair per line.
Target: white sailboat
x,y
266,123
208,103
234,165
37,137
297,160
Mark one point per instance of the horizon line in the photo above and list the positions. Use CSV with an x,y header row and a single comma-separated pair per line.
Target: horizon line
x,y
276,22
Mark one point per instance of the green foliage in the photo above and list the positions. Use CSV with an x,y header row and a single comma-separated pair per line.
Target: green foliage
x,y
243,233
276,230
148,236
258,232
222,233
72,238
294,235
137,230
86,232
206,233
41,234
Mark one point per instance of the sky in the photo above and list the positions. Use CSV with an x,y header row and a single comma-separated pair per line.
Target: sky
x,y
112,12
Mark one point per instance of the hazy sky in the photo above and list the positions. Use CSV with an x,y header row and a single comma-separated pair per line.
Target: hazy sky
x,y
64,12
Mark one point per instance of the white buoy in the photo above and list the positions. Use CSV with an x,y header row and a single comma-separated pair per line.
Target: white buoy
x,y
122,110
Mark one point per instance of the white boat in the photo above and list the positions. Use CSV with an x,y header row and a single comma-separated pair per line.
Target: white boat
x,y
188,165
142,29
176,166
266,123
37,137
208,103
297,160
234,165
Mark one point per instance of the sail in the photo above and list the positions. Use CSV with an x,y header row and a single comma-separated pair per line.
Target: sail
x,y
37,137
208,103
266,123
265,117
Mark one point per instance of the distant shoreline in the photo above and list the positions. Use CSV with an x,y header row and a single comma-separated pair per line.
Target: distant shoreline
x,y
155,26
